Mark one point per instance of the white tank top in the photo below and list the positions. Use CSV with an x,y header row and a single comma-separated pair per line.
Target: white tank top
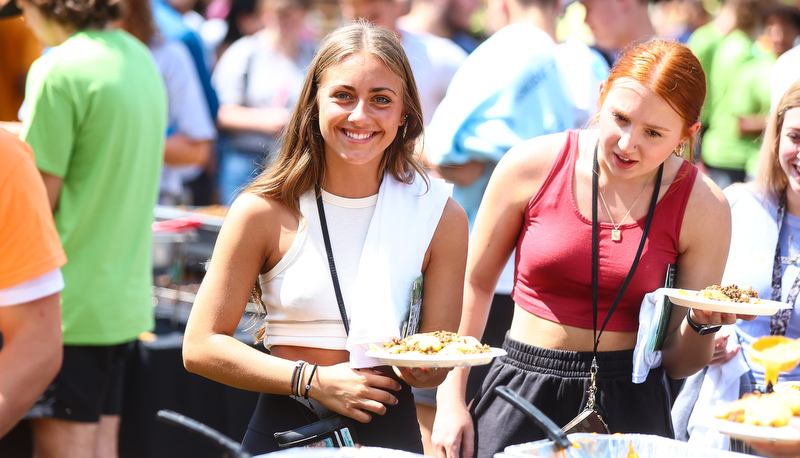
x,y
298,292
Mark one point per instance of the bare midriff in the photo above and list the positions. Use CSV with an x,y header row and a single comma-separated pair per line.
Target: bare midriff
x,y
533,330
321,356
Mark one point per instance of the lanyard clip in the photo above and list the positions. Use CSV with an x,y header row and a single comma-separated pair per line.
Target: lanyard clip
x,y
592,384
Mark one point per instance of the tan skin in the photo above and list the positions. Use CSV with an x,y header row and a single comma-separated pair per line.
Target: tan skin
x,y
629,119
258,232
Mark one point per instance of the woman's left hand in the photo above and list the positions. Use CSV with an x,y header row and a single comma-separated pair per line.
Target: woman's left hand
x,y
423,377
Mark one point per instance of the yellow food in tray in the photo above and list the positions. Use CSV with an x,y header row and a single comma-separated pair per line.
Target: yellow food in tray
x,y
772,409
436,343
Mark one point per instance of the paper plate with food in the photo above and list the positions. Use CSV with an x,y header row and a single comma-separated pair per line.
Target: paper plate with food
x,y
725,299
791,386
759,417
435,349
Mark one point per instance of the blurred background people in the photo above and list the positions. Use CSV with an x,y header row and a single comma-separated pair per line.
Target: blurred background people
x,y
618,25
729,150
444,18
765,247
30,283
739,95
434,60
190,129
95,116
784,73
173,26
477,123
243,18
258,79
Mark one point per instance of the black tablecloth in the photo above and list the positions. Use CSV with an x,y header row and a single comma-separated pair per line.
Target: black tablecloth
x,y
157,380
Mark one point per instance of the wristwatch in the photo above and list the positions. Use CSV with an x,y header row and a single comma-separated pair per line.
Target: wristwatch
x,y
701,329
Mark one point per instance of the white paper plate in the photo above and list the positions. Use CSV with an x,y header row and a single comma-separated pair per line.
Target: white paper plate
x,y
752,432
420,360
689,298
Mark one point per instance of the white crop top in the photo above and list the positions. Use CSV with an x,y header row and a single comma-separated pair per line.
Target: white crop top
x,y
298,292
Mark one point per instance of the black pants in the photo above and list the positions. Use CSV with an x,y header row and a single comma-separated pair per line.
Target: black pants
x,y
396,429
556,382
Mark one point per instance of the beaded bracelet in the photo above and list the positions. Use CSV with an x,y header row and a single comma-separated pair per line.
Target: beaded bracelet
x,y
308,385
294,385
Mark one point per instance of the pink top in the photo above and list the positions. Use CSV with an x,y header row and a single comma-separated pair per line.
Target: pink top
x,y
553,276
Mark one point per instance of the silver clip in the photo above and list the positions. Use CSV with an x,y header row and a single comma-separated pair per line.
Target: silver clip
x,y
592,384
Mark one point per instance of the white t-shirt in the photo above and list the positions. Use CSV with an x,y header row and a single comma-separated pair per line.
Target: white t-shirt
x,y
434,60
784,73
33,289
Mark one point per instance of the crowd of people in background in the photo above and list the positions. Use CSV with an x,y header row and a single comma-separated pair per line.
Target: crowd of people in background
x,y
473,122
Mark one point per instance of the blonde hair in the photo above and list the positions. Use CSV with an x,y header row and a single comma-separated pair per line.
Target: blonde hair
x,y
770,178
300,164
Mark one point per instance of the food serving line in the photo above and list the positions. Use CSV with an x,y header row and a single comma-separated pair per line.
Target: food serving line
x,y
184,241
160,388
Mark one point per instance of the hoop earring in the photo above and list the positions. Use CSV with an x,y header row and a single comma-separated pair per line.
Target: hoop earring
x,y
679,150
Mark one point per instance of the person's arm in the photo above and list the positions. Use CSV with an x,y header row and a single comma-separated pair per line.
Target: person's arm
x,y
181,150
515,180
751,125
464,174
248,244
704,243
240,118
444,286
53,185
30,357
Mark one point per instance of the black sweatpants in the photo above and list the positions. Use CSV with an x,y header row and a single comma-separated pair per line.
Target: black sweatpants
x,y
556,383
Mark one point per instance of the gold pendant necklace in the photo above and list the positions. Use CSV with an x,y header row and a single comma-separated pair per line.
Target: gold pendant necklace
x,y
616,234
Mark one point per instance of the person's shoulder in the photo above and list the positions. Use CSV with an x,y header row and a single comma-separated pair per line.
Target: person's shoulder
x,y
534,155
707,196
528,37
574,53
744,194
253,212
435,45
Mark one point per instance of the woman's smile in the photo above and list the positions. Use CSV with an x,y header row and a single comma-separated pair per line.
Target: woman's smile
x,y
360,104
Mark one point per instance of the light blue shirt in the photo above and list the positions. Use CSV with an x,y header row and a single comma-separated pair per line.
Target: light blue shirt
x,y
507,91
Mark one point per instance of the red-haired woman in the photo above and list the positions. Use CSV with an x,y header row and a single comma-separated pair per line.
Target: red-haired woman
x,y
581,201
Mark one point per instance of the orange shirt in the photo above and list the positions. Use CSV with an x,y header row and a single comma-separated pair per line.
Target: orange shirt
x,y
29,243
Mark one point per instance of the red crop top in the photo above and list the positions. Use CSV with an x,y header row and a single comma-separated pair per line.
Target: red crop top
x,y
553,276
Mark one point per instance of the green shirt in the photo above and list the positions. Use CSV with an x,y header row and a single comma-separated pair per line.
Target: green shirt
x,y
704,42
723,146
97,119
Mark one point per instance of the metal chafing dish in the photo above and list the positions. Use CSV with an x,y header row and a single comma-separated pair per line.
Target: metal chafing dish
x,y
199,244
591,445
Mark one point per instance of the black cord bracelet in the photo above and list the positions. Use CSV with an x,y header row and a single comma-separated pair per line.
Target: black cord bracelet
x,y
308,385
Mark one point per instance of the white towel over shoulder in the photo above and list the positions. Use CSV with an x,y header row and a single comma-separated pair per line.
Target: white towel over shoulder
x,y
405,218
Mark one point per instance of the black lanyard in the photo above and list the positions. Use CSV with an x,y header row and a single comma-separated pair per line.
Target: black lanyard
x,y
331,265
595,250
780,321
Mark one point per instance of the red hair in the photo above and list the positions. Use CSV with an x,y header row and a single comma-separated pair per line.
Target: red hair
x,y
672,71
